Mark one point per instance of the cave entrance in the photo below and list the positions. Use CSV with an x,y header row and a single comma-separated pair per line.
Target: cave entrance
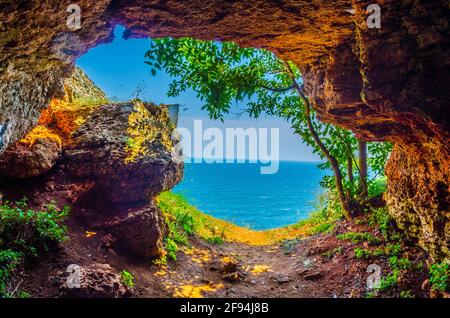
x,y
224,178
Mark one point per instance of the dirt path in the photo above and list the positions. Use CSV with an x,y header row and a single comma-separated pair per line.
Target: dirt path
x,y
305,268
318,266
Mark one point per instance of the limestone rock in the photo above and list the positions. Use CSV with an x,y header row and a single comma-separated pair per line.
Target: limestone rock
x,y
94,281
22,161
418,196
139,231
127,150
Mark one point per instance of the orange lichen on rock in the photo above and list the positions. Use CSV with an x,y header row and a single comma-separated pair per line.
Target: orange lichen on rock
x,y
81,99
40,132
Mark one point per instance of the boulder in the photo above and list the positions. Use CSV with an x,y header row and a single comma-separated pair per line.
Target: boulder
x,y
139,231
128,151
93,281
23,161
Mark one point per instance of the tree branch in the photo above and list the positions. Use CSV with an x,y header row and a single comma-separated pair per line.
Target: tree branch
x,y
278,89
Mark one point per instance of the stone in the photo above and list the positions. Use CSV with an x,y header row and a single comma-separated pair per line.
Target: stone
x,y
23,161
126,149
313,276
426,285
95,281
139,232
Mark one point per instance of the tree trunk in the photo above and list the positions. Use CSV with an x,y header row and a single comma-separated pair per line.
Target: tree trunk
x,y
331,159
334,163
350,169
362,145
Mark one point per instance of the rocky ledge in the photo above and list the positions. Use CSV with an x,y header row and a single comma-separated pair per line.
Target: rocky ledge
x,y
109,169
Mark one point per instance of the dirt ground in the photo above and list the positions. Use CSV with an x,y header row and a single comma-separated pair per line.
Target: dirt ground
x,y
318,266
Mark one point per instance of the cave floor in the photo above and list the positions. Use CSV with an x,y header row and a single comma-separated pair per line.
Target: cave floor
x,y
318,266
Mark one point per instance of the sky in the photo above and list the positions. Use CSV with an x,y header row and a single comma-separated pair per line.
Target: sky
x,y
118,68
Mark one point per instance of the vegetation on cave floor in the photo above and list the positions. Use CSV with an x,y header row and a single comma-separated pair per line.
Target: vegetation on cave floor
x,y
215,258
181,215
368,239
25,236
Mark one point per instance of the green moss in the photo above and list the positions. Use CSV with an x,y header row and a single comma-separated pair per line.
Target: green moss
x,y
127,278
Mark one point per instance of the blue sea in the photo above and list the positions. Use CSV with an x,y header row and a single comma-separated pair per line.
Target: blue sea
x,y
238,193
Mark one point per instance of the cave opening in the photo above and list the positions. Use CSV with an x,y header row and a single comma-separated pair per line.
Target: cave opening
x,y
111,157
218,173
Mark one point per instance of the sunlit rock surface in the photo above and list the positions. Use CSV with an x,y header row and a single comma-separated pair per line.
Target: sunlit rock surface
x,y
108,161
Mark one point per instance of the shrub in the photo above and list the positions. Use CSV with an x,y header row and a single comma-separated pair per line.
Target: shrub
x,y
217,240
127,279
30,232
440,276
358,237
171,249
9,260
26,233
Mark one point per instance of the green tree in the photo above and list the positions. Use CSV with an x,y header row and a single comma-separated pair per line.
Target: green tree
x,y
223,73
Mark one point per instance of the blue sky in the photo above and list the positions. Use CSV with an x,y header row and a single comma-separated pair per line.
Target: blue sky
x,y
118,68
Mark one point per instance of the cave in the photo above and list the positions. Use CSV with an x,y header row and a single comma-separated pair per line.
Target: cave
x,y
384,84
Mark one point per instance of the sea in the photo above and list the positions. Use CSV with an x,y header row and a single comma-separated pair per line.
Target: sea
x,y
239,193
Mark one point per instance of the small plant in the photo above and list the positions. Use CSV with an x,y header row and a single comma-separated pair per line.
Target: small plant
x,y
393,249
127,279
358,237
29,231
440,276
330,253
171,249
366,254
217,240
160,261
370,295
401,263
406,294
9,260
389,281
290,246
382,218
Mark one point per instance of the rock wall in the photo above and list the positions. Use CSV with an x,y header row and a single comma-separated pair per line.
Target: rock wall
x,y
105,161
384,84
